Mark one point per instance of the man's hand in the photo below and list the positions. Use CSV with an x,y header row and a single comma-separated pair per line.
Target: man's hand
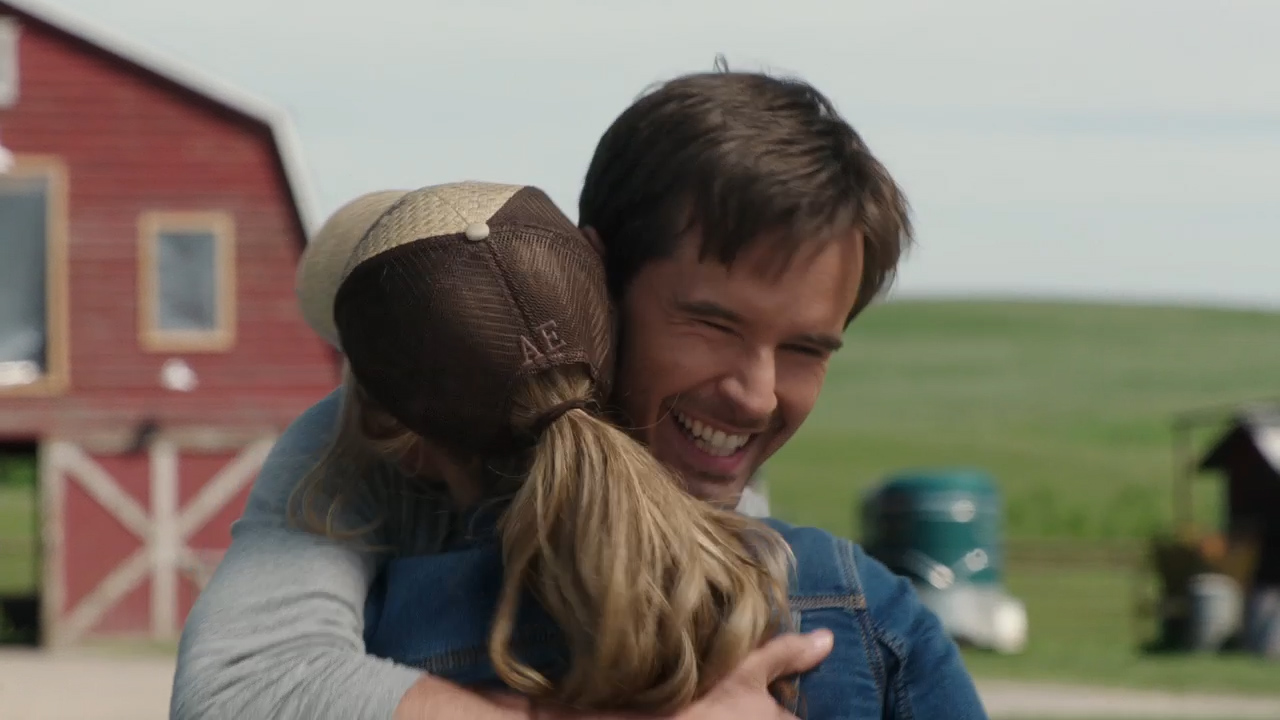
x,y
744,695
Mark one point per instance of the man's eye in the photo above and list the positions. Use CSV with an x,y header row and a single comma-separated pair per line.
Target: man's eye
x,y
717,326
808,351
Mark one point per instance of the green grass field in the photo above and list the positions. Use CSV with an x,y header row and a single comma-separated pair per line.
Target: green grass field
x,y
1068,405
1082,630
17,538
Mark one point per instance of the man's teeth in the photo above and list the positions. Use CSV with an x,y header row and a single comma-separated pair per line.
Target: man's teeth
x,y
710,440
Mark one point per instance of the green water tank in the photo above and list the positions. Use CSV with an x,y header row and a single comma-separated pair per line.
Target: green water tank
x,y
940,527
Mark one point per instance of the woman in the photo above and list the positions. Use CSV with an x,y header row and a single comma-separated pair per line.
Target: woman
x,y
478,333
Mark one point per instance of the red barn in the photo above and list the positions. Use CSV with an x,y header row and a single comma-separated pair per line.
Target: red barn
x,y
150,344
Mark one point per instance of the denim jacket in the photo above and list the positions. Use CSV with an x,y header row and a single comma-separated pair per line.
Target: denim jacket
x,y
891,660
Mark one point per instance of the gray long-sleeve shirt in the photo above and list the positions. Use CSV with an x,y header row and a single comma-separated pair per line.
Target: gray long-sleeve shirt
x,y
277,634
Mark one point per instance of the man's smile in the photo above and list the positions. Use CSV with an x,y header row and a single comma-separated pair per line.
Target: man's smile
x,y
709,439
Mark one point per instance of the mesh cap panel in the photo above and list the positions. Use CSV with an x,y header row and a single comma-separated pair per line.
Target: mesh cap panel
x,y
439,328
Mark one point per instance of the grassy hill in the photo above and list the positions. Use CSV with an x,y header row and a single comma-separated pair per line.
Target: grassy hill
x,y
1067,404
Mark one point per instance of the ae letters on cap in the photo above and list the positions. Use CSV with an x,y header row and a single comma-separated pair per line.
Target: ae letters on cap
x,y
546,341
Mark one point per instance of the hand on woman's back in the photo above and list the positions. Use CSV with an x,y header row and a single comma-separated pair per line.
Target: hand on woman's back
x,y
744,695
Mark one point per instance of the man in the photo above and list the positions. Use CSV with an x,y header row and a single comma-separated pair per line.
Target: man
x,y
744,224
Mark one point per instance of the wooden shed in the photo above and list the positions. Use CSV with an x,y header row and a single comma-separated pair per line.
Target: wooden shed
x,y
151,347
1247,457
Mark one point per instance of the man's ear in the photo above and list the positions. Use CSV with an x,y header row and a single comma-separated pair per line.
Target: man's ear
x,y
593,237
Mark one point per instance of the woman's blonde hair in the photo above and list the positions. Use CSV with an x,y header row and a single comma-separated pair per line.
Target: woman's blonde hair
x,y
659,595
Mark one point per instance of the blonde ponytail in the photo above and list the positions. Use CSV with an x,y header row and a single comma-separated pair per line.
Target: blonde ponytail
x,y
659,595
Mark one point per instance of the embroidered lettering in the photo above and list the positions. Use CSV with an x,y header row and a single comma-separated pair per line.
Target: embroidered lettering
x,y
550,337
531,352
548,342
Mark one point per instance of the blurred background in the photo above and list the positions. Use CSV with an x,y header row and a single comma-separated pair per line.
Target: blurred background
x,y
1083,347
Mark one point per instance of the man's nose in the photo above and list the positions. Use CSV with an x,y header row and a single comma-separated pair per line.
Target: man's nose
x,y
752,387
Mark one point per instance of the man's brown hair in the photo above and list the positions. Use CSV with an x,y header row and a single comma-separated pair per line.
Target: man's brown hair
x,y
746,158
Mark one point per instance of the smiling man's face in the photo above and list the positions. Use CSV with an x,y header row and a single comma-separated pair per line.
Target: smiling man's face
x,y
721,364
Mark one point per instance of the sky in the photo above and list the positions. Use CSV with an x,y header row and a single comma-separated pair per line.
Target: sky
x,y
1103,149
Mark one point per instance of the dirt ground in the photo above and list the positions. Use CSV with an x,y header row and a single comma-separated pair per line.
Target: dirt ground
x,y
82,686
88,686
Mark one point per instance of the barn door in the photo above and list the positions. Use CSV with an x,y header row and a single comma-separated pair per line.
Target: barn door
x,y
125,533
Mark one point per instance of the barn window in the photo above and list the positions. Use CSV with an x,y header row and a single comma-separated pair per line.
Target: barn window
x,y
187,286
8,62
33,280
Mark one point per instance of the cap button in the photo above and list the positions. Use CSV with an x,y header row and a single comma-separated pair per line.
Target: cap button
x,y
477,231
